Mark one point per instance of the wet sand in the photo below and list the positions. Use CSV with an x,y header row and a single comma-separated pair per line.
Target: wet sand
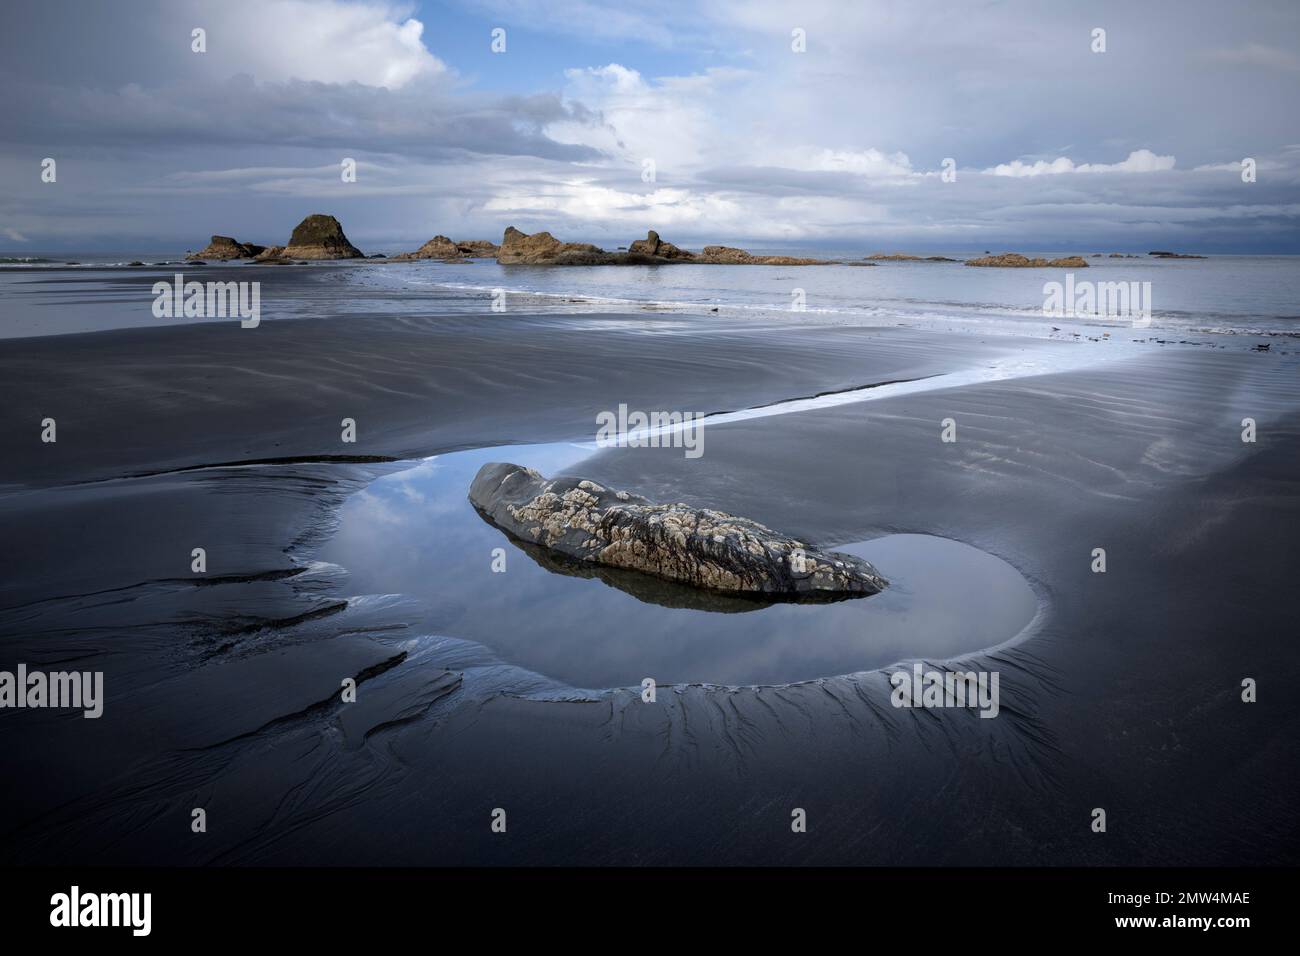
x,y
1122,693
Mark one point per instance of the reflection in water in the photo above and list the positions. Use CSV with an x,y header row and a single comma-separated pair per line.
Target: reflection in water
x,y
414,532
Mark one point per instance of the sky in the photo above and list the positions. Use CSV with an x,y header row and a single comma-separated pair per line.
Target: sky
x,y
769,124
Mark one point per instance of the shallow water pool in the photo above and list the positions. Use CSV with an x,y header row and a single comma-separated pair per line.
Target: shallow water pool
x,y
415,533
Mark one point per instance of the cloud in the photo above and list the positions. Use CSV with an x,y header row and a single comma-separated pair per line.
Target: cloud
x,y
1257,55
865,162
585,201
426,119
675,121
328,41
1138,161
750,140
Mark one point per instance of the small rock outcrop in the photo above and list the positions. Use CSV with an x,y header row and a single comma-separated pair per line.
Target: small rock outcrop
x,y
731,256
652,245
320,237
440,247
541,248
477,248
906,257
224,248
1013,260
1158,255
587,522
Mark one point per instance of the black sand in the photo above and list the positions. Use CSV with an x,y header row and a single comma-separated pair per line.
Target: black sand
x,y
1123,694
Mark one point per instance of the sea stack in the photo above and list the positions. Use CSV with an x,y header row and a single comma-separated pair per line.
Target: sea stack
x,y
320,237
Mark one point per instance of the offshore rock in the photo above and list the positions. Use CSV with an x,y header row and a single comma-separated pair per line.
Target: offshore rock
x,y
731,256
320,237
440,247
652,245
224,248
1014,260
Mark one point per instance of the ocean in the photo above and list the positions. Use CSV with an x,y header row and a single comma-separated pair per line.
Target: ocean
x,y
1218,299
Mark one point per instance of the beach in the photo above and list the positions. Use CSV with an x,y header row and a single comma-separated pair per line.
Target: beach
x,y
1119,690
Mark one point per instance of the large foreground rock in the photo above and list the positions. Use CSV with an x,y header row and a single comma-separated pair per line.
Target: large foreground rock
x,y
708,549
1014,260
224,247
320,237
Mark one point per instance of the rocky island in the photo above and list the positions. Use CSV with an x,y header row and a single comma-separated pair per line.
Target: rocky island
x,y
316,237
320,237
440,247
1014,260
224,248
590,523
541,248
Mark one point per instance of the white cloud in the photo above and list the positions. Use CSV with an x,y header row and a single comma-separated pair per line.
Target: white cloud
x,y
587,202
679,122
866,162
1138,161
373,43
